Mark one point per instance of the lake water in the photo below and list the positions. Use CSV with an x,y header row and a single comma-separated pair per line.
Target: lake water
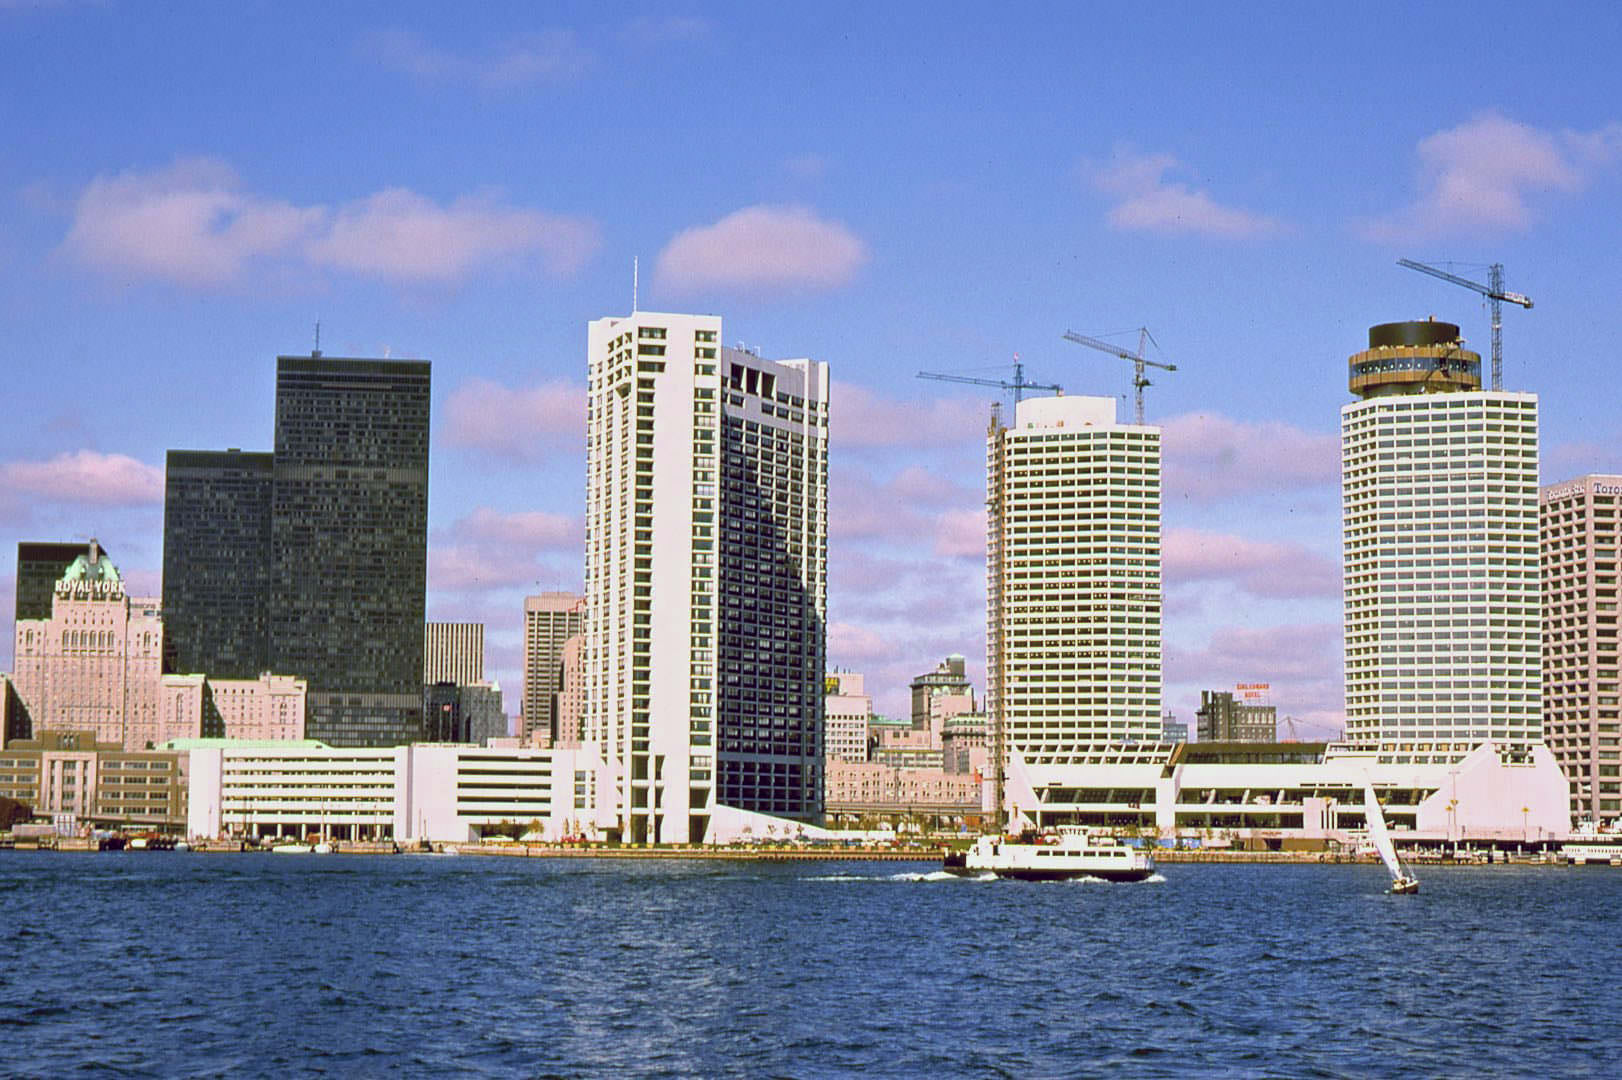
x,y
163,964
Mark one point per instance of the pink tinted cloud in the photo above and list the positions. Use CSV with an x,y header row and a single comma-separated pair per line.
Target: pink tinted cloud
x,y
86,477
521,424
762,248
1301,662
194,223
1146,200
961,534
492,549
401,235
1261,567
551,56
1491,171
1206,457
861,418
189,222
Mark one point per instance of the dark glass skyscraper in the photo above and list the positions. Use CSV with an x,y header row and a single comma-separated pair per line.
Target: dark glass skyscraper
x,y
349,543
216,562
313,560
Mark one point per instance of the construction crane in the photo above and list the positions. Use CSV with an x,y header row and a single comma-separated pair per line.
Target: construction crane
x,y
1139,380
1018,386
1495,294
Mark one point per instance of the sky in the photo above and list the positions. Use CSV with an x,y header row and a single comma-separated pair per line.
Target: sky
x,y
186,189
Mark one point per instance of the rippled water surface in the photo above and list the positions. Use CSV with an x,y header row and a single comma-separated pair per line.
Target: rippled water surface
x,y
163,964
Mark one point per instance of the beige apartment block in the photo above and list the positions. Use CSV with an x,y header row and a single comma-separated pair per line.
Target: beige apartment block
x,y
858,789
550,620
270,707
1581,528
570,703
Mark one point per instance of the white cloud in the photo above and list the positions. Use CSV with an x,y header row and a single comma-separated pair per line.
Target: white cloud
x,y
544,56
1146,200
193,224
762,247
85,476
399,234
516,423
1489,171
189,222
1207,456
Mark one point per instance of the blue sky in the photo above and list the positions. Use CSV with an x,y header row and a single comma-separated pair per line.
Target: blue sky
x,y
187,188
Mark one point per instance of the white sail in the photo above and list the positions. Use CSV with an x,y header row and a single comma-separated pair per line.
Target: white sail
x,y
1378,833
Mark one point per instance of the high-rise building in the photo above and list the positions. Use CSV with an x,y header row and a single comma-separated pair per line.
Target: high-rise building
x,y
550,620
706,539
1581,526
216,562
480,705
1073,579
455,653
569,703
940,694
40,565
349,543
847,709
341,572
1440,516
1224,716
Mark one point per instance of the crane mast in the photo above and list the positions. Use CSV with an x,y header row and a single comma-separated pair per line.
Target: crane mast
x,y
1496,296
1139,362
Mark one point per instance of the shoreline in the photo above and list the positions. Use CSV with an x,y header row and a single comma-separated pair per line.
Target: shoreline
x,y
820,854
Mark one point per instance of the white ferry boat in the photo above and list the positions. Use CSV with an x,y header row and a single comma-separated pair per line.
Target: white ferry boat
x,y
1067,852
1589,845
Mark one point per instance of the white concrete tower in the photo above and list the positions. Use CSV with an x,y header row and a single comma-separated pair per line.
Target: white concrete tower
x,y
1072,579
706,554
1439,491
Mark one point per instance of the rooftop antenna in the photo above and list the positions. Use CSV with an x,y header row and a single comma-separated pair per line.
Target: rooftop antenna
x,y
635,282
317,350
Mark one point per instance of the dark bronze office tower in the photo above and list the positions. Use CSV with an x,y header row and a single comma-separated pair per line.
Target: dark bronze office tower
x,y
216,563
40,566
349,543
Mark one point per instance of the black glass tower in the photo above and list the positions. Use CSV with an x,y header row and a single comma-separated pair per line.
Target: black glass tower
x,y
349,543
40,565
216,563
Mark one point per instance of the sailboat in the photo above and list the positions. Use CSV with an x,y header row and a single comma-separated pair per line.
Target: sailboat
x,y
1401,880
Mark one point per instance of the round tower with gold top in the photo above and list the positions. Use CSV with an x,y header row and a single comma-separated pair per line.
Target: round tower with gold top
x,y
1420,357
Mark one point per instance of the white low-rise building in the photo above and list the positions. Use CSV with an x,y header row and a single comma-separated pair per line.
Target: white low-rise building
x,y
435,792
1295,791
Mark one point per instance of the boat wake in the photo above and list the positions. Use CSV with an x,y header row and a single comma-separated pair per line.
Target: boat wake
x,y
933,875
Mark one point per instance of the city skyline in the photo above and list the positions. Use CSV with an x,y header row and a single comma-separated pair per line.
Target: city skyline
x,y
885,213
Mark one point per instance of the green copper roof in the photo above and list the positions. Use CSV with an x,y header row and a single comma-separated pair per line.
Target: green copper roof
x,y
82,569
